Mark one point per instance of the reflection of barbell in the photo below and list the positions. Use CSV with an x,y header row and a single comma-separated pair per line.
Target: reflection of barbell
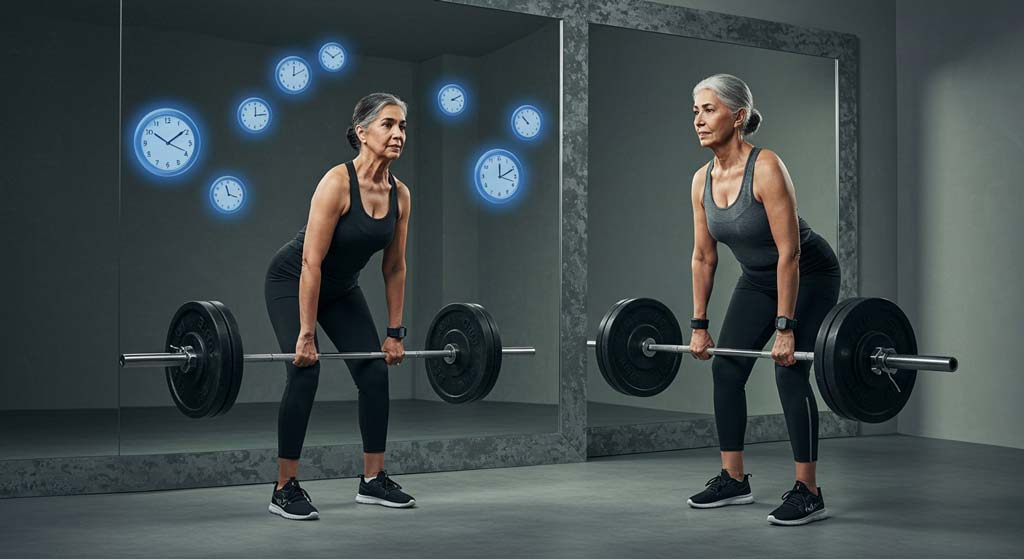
x,y
204,358
861,346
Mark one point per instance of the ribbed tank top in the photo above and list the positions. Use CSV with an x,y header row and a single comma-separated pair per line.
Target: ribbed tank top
x,y
744,228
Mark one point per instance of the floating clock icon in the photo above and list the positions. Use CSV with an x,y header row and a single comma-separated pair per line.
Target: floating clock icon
x,y
254,115
526,122
292,75
452,99
498,176
227,194
332,57
166,142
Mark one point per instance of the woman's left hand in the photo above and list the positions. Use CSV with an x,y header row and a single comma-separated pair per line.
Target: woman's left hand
x,y
394,349
782,351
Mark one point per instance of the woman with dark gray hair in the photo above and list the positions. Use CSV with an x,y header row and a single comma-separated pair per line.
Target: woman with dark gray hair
x,y
744,197
358,209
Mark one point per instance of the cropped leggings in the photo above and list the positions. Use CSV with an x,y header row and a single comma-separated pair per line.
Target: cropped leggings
x,y
750,323
345,317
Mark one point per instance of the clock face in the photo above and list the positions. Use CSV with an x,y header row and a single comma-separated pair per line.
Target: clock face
x,y
292,75
254,115
498,176
452,99
227,194
166,142
332,57
526,122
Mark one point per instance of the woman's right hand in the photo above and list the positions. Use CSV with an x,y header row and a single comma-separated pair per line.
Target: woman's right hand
x,y
700,341
305,351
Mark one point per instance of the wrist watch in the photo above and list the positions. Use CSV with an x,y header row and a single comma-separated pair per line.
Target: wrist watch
x,y
397,333
784,323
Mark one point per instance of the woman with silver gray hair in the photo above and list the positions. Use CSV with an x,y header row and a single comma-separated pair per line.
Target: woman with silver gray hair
x,y
744,197
358,209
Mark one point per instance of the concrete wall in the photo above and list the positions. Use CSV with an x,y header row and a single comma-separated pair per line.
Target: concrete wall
x,y
960,228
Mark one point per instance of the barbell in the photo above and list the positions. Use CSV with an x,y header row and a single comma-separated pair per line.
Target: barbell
x,y
204,358
865,354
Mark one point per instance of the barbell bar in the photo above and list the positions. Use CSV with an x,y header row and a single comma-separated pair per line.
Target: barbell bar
x,y
860,347
204,361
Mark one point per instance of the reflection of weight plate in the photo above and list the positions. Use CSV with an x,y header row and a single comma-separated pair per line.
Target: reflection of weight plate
x,y
857,331
620,352
237,356
199,389
493,325
468,378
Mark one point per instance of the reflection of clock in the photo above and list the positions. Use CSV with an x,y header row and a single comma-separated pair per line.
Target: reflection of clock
x,y
227,194
498,176
332,57
292,75
452,99
526,122
254,115
166,142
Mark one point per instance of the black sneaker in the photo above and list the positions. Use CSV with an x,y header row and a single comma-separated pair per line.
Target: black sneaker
x,y
723,490
381,490
292,502
799,506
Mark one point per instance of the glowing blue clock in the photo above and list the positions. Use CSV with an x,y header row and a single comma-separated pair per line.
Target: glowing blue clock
x,y
332,57
254,115
526,122
166,142
452,99
498,176
292,75
227,194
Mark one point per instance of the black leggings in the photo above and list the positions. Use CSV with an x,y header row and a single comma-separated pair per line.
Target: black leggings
x,y
750,323
346,319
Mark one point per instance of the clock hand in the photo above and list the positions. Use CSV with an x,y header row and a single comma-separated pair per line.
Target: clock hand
x,y
261,114
227,191
297,73
524,120
161,137
175,137
456,97
502,175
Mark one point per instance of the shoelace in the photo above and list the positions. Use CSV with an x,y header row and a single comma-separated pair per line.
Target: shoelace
x,y
298,493
389,484
716,483
796,497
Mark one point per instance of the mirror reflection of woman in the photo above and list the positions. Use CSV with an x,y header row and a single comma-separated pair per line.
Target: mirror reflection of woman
x,y
358,209
744,197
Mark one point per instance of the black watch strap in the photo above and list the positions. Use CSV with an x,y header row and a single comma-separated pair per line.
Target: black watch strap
x,y
699,324
784,323
397,333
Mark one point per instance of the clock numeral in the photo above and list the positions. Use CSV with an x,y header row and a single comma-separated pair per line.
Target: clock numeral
x,y
186,154
167,120
145,143
149,131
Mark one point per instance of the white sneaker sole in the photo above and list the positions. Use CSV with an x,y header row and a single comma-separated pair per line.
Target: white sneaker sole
x,y
274,509
738,500
367,500
816,515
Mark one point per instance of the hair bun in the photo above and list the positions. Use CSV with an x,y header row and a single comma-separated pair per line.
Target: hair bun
x,y
353,138
753,123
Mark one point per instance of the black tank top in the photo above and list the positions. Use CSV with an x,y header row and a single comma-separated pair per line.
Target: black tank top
x,y
357,236
744,228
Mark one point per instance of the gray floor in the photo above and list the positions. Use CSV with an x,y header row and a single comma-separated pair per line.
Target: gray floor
x,y
132,431
889,496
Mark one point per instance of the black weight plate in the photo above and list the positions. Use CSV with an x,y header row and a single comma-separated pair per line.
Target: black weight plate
x,y
633,372
467,378
601,351
819,355
200,390
858,329
489,321
236,354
